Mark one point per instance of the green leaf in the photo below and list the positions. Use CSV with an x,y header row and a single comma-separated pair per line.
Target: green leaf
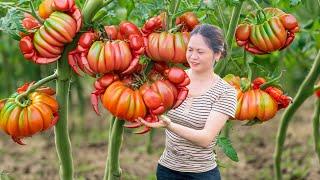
x,y
121,13
225,144
232,2
294,2
11,23
128,4
23,2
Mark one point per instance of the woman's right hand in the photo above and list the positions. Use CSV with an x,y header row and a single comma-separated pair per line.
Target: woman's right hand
x,y
163,122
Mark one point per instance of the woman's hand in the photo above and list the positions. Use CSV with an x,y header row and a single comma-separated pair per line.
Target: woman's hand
x,y
163,122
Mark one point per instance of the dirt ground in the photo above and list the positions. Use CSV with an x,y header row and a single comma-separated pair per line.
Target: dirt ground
x,y
255,146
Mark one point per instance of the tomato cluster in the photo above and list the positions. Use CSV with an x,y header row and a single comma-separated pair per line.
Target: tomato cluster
x,y
266,31
165,45
44,44
126,88
38,112
128,98
254,102
120,53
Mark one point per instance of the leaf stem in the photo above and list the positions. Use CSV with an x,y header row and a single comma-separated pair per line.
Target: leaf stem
x,y
34,14
33,87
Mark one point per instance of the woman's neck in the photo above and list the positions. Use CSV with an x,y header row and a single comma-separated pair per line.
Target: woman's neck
x,y
202,76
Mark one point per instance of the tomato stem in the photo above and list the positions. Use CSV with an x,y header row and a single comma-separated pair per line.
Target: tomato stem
x,y
106,170
316,87
247,66
34,14
272,81
256,4
114,170
220,67
149,148
90,8
62,139
222,19
173,7
35,86
305,91
106,3
315,122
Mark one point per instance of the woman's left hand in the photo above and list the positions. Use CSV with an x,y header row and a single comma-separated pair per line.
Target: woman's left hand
x,y
163,122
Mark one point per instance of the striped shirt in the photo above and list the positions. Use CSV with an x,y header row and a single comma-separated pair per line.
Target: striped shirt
x,y
181,154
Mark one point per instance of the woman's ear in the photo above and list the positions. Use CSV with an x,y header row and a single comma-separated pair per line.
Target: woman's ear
x,y
216,56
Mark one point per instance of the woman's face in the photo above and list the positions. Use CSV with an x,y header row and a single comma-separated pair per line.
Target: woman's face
x,y
199,56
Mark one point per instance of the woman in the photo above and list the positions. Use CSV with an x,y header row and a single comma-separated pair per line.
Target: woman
x,y
191,129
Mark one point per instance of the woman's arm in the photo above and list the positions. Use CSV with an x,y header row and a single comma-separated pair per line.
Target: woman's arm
x,y
203,137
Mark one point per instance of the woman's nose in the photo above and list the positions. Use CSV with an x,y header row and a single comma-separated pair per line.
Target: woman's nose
x,y
193,55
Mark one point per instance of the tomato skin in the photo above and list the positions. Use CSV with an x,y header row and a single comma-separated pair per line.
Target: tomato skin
x,y
104,57
253,103
159,96
189,21
124,102
127,28
167,47
45,9
40,114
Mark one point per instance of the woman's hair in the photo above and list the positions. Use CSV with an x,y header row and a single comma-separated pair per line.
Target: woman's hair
x,y
213,37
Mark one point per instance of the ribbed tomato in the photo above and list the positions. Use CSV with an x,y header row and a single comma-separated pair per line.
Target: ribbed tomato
x,y
261,35
255,104
109,56
188,20
252,103
38,114
169,47
45,8
48,41
159,96
123,101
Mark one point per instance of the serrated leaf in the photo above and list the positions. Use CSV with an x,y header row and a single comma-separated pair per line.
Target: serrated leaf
x,y
225,144
11,23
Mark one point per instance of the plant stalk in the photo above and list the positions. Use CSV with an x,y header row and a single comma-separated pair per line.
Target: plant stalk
x,y
305,91
114,170
220,67
316,130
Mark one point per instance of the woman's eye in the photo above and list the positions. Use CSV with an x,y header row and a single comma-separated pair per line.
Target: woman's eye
x,y
189,49
200,52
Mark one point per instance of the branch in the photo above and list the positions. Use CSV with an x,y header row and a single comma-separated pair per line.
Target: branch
x,y
34,14
34,87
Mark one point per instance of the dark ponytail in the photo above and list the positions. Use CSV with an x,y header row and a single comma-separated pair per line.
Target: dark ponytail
x,y
213,37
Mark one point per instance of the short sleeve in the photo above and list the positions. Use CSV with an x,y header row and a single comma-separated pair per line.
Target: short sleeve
x,y
227,102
